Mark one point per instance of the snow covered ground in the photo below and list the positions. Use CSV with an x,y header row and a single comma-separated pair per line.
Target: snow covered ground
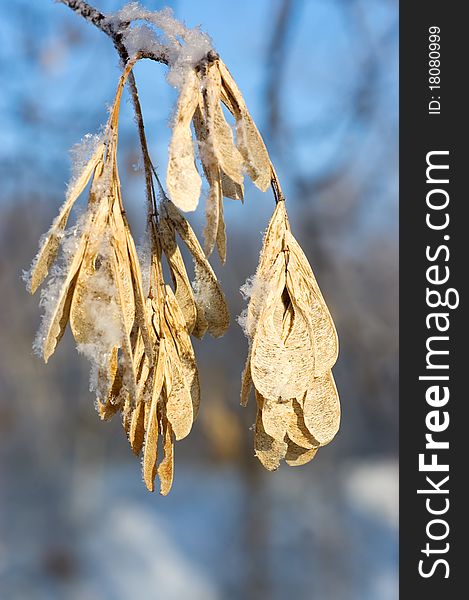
x,y
295,533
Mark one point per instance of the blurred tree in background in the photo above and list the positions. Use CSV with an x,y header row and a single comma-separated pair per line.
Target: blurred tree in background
x,y
320,77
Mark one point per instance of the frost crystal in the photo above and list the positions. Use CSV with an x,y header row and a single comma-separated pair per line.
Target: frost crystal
x,y
183,47
81,153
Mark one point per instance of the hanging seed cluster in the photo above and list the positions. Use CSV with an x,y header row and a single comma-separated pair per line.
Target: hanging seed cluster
x,y
224,162
292,348
138,335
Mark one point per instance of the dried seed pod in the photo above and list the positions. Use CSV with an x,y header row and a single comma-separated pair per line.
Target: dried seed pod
x,y
57,320
322,409
269,451
248,138
137,428
282,368
269,279
165,469
50,243
291,339
208,294
302,283
144,362
297,456
182,287
246,381
275,416
297,430
232,161
219,144
182,178
179,407
212,213
150,454
175,322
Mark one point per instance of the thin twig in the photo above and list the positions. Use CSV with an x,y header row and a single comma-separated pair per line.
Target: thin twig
x,y
114,29
100,21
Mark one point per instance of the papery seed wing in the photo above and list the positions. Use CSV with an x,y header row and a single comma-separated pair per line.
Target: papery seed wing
x,y
269,451
207,290
254,152
297,430
212,211
219,136
166,467
58,319
248,138
108,405
137,429
179,408
246,381
221,231
51,241
273,242
183,345
125,284
297,456
267,287
229,157
127,414
182,286
150,453
182,179
282,369
124,300
210,297
231,189
95,286
302,285
140,309
179,405
322,409
275,417
201,324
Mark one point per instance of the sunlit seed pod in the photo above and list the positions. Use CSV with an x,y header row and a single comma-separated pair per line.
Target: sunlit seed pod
x,y
246,381
212,211
302,283
282,369
48,250
57,320
137,429
322,409
150,453
182,179
208,294
165,469
183,345
297,456
182,287
140,301
275,417
269,451
297,430
219,142
221,232
179,406
248,138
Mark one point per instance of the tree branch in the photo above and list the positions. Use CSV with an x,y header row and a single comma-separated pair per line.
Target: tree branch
x,y
99,20
115,32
